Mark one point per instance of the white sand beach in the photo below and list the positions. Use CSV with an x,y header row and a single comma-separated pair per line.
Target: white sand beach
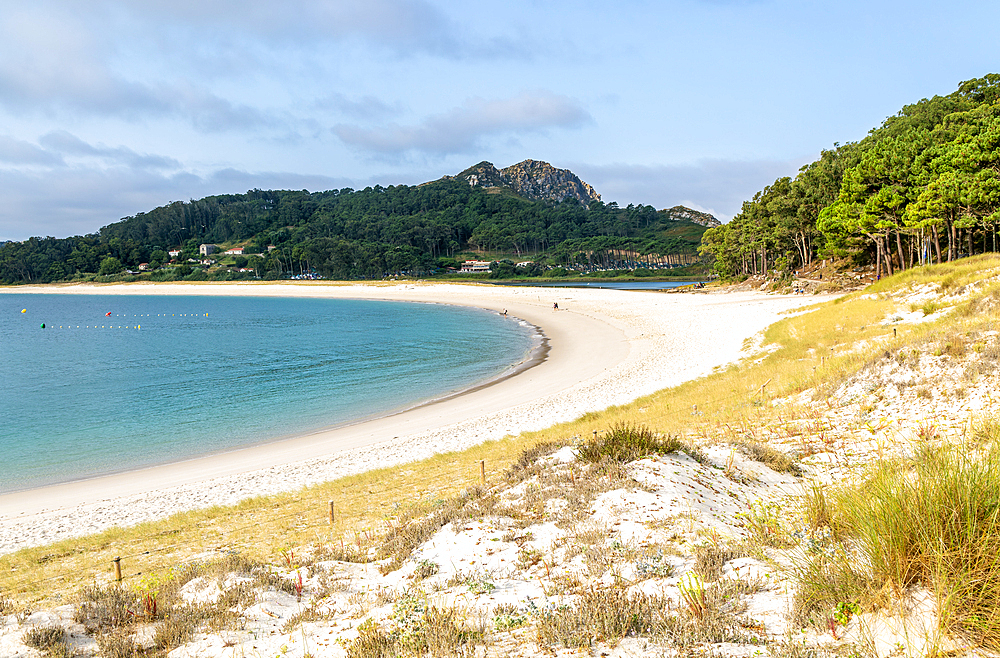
x,y
605,347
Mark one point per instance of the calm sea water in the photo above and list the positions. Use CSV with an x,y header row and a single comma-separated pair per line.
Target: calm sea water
x,y
610,285
164,378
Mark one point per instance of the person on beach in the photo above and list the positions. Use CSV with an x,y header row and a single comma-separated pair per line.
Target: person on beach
x,y
555,306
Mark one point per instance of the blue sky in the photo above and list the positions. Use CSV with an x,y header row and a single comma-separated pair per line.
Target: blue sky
x,y
109,108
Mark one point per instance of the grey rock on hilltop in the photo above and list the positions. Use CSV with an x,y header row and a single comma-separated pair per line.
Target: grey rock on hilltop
x,y
532,179
678,213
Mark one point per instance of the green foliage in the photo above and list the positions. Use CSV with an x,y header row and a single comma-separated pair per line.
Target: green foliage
x,y
923,187
624,443
110,265
372,233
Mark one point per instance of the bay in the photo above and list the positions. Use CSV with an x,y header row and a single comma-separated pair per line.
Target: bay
x,y
115,383
609,285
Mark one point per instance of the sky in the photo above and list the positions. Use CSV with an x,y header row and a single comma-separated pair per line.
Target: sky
x,y
113,107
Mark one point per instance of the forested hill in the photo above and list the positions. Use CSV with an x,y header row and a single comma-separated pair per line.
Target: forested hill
x,y
375,232
923,187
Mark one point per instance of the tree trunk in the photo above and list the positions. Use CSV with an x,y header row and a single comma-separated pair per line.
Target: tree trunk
x,y
937,244
951,241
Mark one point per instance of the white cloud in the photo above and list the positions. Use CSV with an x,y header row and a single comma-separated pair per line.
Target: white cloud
x,y
462,129
78,200
19,152
67,144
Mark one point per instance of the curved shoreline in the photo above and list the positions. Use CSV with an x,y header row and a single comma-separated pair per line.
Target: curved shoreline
x,y
534,356
608,348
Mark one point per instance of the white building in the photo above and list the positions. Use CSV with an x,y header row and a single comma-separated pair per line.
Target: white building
x,y
476,266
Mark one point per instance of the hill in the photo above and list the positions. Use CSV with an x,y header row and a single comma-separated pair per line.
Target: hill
x,y
530,211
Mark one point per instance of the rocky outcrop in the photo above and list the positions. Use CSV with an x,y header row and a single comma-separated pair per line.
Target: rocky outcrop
x,y
540,181
532,179
683,213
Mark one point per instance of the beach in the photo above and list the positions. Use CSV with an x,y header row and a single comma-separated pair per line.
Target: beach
x,y
601,348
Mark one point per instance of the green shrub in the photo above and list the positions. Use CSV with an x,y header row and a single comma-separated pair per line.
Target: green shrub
x,y
625,443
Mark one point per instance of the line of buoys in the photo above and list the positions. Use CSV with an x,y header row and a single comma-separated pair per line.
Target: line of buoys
x,y
103,326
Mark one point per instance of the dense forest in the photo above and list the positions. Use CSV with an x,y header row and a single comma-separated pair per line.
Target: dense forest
x,y
366,234
924,187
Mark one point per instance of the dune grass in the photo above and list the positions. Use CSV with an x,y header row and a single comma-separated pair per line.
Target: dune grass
x,y
817,349
931,522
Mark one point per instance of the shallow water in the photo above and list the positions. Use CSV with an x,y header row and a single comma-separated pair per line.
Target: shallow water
x,y
164,378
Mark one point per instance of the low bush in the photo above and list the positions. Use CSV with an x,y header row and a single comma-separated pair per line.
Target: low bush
x,y
625,443
50,640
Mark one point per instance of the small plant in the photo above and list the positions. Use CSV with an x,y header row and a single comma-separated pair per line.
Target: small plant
x,y
289,557
654,566
117,643
372,642
480,586
844,610
528,557
426,569
986,431
763,523
50,640
508,616
692,591
930,307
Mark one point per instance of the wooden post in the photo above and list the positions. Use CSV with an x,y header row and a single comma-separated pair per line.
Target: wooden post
x,y
331,513
762,386
118,569
482,470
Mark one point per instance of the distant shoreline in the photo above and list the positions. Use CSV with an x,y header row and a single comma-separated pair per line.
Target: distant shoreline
x,y
605,347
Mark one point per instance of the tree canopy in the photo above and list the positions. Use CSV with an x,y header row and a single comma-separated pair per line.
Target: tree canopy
x,y
371,233
923,187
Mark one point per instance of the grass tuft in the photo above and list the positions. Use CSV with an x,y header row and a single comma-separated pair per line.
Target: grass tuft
x,y
932,521
49,640
625,443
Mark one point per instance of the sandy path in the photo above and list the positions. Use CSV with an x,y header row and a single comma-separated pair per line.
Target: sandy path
x,y
606,347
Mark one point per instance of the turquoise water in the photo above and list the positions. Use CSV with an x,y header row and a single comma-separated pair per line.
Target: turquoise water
x,y
610,285
164,378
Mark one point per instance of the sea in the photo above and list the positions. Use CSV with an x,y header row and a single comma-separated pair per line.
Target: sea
x,y
608,285
98,384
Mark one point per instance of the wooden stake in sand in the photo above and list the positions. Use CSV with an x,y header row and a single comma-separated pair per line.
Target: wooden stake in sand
x,y
118,569
331,512
482,470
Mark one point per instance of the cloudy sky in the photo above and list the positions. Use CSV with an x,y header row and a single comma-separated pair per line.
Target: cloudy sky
x,y
113,107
